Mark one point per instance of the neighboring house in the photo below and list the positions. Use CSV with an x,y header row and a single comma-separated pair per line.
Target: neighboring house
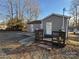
x,y
54,22
3,27
34,25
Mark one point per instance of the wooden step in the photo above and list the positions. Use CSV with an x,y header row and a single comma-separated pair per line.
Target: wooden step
x,y
48,47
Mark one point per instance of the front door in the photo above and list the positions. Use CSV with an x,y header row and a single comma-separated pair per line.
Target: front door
x,y
49,28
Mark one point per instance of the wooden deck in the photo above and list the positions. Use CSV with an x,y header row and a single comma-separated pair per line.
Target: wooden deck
x,y
56,39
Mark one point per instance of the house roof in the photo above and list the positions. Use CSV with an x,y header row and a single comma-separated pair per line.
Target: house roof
x,y
35,22
59,15
39,21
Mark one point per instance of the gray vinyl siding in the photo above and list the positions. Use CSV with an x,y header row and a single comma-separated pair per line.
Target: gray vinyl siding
x,y
57,23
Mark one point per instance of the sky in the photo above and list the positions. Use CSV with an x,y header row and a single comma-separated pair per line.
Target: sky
x,y
47,7
54,6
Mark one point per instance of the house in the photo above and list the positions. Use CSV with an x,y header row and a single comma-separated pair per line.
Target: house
x,y
34,25
53,22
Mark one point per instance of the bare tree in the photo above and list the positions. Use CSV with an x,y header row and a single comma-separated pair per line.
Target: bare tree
x,y
19,8
74,5
74,10
32,9
10,9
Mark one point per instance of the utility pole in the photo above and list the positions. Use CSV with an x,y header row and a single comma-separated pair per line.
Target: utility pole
x,y
63,19
67,23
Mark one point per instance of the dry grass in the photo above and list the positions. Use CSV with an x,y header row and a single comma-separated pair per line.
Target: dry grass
x,y
70,51
72,42
35,52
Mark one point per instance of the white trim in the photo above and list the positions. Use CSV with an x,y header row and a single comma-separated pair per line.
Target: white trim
x,y
67,27
63,24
